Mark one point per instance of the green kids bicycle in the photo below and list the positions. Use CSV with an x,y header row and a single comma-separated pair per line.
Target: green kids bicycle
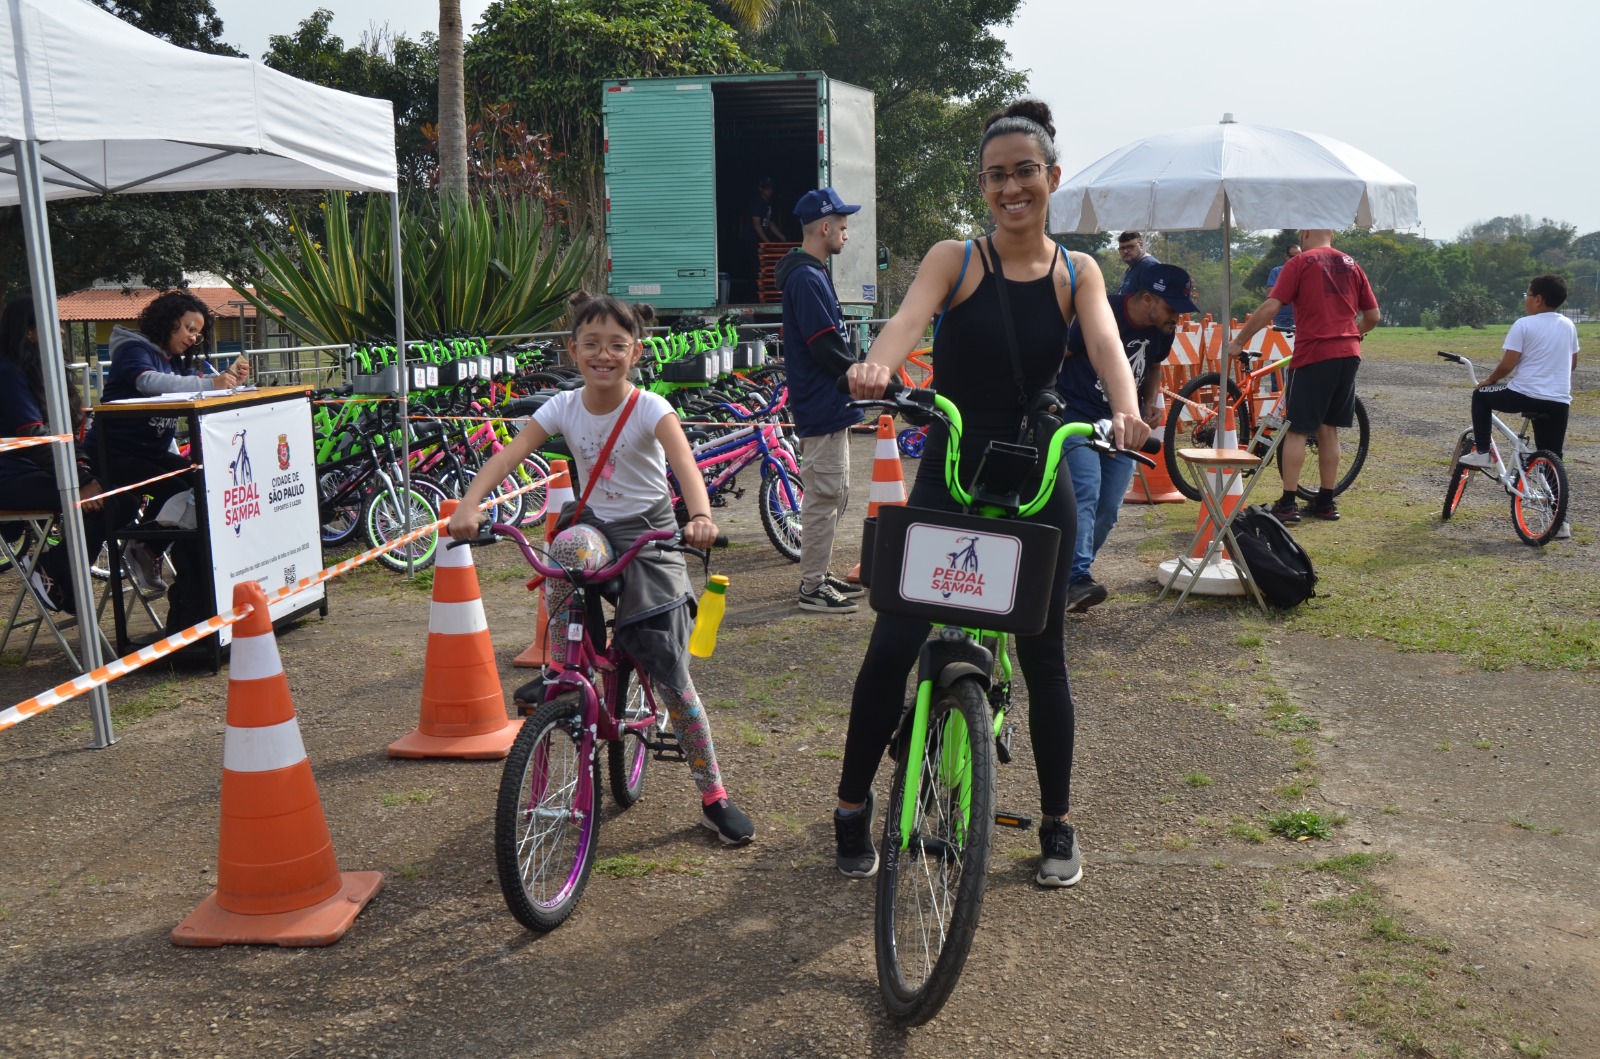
x,y
979,575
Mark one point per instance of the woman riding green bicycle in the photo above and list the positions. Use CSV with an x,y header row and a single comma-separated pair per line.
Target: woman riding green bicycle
x,y
1000,342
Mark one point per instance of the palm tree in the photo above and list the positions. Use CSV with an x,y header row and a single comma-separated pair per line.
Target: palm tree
x,y
791,19
452,102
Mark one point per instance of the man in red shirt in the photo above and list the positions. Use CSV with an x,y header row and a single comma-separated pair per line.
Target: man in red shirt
x,y
1333,308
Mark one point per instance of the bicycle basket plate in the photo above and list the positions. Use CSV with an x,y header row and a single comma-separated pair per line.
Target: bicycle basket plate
x,y
963,569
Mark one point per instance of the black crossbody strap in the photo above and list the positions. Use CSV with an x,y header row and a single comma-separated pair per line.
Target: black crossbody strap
x,y
1011,333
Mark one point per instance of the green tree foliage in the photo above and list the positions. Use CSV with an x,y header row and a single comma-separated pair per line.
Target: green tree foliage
x,y
1469,306
189,24
936,70
382,66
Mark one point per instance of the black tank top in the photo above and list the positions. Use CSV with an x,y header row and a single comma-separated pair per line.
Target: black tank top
x,y
972,364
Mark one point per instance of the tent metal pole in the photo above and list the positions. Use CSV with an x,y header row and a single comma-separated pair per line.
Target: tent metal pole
x,y
405,376
1226,364
41,273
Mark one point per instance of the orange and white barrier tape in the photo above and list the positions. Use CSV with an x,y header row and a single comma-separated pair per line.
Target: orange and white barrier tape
x,y
121,667
139,485
8,444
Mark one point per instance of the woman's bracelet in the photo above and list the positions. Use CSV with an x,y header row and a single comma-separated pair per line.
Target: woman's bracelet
x,y
693,517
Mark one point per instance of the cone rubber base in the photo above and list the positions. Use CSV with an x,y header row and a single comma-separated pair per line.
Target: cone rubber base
x,y
1137,495
320,924
1218,579
490,746
533,658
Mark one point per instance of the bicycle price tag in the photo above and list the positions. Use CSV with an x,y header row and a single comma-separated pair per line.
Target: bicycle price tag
x,y
575,632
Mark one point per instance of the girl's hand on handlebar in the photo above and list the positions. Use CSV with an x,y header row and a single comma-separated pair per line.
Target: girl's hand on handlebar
x,y
700,533
867,380
463,525
1128,431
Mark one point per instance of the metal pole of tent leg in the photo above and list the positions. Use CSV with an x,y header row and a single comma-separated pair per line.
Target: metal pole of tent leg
x,y
1225,362
41,273
405,379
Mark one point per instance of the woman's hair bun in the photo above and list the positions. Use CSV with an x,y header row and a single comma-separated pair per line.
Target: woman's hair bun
x,y
1035,110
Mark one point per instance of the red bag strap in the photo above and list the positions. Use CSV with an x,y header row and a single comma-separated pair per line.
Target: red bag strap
x,y
605,454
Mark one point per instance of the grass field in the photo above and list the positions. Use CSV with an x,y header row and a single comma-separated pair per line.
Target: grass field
x,y
1419,345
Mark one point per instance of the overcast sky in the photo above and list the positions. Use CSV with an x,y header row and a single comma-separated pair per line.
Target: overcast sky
x,y
1488,106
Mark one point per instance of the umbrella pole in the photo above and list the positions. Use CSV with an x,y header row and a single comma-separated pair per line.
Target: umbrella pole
x,y
1225,369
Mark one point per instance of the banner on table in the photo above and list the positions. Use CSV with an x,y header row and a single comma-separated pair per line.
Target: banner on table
x,y
261,499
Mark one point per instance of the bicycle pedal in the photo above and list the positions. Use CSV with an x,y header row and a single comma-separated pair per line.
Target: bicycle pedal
x,y
1017,821
668,748
1002,744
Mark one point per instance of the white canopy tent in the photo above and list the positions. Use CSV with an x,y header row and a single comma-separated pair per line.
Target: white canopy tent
x,y
89,105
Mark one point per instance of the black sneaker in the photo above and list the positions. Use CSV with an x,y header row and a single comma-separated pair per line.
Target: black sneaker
x,y
847,589
55,594
1084,593
826,598
1060,865
857,856
1328,513
732,826
1286,513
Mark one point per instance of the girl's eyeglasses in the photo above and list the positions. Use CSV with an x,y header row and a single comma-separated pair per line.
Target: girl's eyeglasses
x,y
616,349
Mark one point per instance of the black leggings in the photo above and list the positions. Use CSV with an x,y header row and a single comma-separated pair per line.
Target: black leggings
x,y
1549,429
880,692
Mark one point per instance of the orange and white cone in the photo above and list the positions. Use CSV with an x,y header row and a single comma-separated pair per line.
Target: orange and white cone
x,y
463,706
560,493
278,882
1153,485
888,481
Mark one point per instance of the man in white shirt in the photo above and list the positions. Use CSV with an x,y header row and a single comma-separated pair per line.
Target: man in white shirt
x,y
1541,351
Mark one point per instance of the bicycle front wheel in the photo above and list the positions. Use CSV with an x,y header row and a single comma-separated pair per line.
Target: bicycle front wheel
x,y
936,856
1352,455
1541,505
1192,424
385,521
546,822
1460,475
780,513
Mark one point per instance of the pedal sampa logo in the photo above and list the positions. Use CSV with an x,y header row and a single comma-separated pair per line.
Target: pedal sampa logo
x,y
963,568
241,501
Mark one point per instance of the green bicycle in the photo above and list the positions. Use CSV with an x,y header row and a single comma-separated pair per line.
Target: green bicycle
x,y
980,567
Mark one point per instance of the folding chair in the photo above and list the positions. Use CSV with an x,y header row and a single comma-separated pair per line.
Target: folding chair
x,y
39,524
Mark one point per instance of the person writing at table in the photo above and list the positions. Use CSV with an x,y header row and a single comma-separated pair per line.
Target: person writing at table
x,y
159,357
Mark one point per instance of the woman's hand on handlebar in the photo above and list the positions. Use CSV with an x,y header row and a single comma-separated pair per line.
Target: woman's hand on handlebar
x,y
463,525
1128,431
700,533
868,380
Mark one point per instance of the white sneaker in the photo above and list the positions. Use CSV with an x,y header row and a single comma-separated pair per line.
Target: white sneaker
x,y
1565,532
1475,458
178,511
145,567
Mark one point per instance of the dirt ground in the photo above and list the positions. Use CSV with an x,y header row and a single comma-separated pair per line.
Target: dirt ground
x,y
1186,936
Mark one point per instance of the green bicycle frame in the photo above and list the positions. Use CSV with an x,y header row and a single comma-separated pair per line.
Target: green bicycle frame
x,y
1052,463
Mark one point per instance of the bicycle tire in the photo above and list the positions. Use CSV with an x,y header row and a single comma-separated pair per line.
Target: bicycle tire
x,y
384,522
627,757
344,521
1186,430
1538,515
1349,465
1460,475
535,500
779,518
932,902
21,546
546,823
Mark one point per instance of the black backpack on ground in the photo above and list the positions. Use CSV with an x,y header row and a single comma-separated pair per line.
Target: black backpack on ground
x,y
1281,568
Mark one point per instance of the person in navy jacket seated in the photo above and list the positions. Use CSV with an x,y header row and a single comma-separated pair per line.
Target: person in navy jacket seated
x,y
160,357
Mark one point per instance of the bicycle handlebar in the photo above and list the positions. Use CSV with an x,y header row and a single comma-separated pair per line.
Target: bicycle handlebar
x,y
1459,359
665,540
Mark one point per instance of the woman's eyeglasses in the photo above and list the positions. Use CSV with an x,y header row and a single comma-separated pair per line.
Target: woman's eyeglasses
x,y
1026,175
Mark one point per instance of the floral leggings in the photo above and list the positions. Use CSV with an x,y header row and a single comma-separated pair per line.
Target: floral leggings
x,y
687,712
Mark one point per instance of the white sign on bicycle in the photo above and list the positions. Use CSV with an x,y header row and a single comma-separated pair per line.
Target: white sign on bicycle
x,y
962,568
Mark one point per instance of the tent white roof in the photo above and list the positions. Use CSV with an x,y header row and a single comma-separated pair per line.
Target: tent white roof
x,y
116,110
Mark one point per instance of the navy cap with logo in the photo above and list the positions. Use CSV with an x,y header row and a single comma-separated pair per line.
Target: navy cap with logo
x,y
824,202
1169,283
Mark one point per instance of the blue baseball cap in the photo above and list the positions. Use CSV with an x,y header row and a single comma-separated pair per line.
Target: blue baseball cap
x,y
1169,283
824,202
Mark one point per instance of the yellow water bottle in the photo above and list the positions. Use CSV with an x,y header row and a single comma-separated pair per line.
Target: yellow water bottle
x,y
713,603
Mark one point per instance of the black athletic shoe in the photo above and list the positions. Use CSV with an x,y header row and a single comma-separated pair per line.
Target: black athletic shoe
x,y
732,826
1059,863
56,595
1084,593
1328,513
857,856
1286,513
847,589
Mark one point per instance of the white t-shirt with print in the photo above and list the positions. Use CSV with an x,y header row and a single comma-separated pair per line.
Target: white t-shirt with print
x,y
1547,342
635,475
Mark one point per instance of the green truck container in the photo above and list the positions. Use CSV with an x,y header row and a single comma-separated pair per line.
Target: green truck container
x,y
683,156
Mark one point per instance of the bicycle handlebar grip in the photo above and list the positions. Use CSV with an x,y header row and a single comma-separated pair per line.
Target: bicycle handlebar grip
x,y
1457,357
1152,445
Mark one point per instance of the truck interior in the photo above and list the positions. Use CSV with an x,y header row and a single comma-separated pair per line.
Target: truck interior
x,y
764,128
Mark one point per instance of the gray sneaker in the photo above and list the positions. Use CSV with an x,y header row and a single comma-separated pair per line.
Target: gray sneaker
x,y
826,598
847,589
1564,531
857,856
1060,864
145,565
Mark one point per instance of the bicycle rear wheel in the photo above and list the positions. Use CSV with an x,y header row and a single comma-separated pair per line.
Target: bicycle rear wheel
x,y
780,513
1353,442
1542,506
628,756
1460,475
1190,427
385,521
546,823
931,891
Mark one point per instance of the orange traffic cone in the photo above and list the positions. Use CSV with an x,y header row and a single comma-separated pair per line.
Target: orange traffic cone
x,y
888,482
463,707
278,882
1153,485
560,492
